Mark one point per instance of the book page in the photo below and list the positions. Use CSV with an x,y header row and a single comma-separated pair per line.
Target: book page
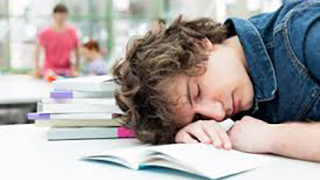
x,y
130,157
208,161
162,160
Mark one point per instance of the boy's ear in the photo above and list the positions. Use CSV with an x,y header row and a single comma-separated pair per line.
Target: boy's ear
x,y
207,44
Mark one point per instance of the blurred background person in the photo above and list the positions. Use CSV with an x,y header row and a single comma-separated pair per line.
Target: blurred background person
x,y
96,64
58,41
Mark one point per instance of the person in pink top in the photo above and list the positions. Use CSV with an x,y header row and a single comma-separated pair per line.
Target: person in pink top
x,y
58,42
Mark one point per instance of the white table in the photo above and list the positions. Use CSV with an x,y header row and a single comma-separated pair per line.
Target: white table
x,y
21,89
25,154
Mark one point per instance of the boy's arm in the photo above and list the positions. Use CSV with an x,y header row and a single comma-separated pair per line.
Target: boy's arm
x,y
295,140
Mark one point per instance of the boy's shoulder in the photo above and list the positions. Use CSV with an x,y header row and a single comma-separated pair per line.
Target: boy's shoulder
x,y
286,13
294,11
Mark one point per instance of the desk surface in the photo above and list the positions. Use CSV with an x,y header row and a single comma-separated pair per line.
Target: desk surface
x,y
17,89
26,154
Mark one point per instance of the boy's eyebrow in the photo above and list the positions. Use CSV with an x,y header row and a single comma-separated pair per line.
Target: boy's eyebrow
x,y
188,92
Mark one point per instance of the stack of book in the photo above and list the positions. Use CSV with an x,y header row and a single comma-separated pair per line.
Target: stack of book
x,y
81,108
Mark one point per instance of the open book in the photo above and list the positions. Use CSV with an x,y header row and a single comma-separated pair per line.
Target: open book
x,y
200,159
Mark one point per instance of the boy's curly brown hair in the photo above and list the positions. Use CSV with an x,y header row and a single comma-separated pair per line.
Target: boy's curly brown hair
x,y
149,65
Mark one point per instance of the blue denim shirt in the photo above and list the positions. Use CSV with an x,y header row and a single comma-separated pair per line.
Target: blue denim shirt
x,y
282,50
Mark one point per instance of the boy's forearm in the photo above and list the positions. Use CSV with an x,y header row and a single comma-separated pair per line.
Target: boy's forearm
x,y
297,140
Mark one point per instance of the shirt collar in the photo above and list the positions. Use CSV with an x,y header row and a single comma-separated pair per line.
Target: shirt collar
x,y
260,67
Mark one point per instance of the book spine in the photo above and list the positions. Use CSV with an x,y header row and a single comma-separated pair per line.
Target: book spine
x,y
93,101
79,108
71,94
87,133
73,116
80,123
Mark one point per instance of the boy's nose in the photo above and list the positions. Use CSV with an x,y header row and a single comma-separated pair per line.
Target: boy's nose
x,y
212,110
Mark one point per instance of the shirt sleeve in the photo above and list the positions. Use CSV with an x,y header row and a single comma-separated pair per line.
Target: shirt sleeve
x,y
312,48
304,35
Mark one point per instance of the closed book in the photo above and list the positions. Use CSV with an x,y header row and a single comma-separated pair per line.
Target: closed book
x,y
77,108
69,94
103,83
78,116
93,101
78,123
56,133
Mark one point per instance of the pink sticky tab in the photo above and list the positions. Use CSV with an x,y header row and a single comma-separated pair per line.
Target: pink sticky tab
x,y
125,133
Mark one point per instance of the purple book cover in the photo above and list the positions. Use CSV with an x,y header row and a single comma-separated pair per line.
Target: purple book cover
x,y
34,116
61,94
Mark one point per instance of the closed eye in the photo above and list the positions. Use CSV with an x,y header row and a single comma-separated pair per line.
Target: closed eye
x,y
199,91
198,117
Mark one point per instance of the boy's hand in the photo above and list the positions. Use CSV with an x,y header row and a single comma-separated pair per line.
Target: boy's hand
x,y
251,135
207,131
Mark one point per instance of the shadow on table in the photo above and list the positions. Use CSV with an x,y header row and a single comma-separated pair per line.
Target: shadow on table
x,y
158,170
15,113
